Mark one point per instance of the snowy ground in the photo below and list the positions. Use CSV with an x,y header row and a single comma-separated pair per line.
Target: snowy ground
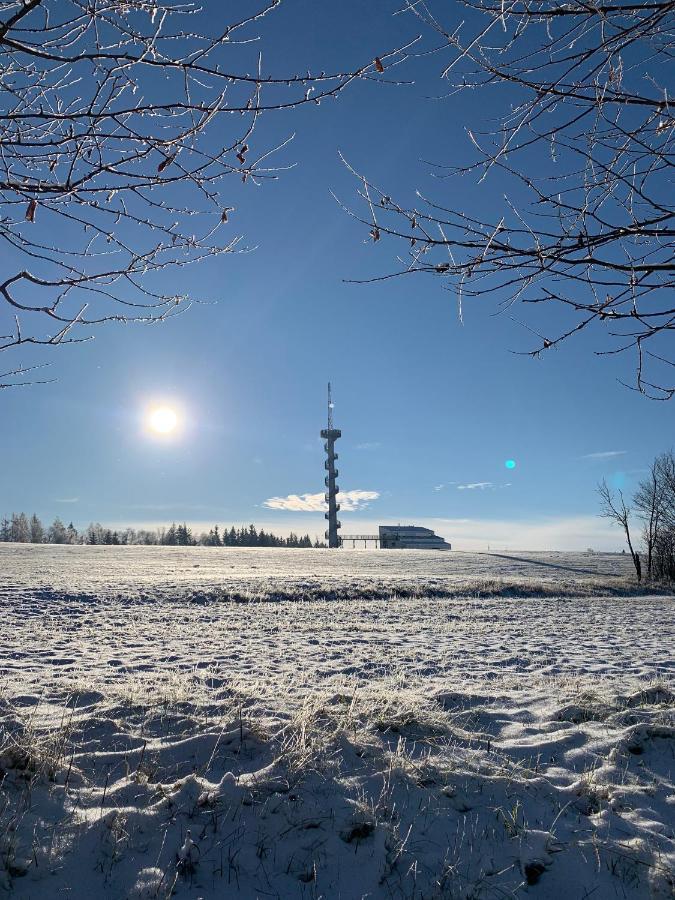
x,y
424,725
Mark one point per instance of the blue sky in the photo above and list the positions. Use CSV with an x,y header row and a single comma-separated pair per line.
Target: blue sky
x,y
430,408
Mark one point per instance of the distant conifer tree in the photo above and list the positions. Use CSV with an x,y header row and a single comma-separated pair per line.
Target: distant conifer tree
x,y
37,532
184,536
57,532
20,528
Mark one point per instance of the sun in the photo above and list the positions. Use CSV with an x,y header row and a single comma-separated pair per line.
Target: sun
x,y
163,420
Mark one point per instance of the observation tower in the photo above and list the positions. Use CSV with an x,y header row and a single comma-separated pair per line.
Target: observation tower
x,y
331,434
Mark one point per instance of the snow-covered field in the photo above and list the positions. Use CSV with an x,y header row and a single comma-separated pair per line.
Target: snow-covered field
x,y
173,722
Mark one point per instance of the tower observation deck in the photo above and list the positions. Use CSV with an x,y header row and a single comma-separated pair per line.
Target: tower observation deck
x,y
330,435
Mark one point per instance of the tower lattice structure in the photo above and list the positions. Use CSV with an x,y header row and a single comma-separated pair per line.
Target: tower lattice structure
x,y
331,434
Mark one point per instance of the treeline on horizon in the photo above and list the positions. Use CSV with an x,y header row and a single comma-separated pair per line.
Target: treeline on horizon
x,y
22,529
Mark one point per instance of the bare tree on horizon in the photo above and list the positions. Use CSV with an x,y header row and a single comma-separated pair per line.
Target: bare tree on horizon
x,y
614,507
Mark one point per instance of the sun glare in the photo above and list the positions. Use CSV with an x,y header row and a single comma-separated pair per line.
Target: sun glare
x,y
163,420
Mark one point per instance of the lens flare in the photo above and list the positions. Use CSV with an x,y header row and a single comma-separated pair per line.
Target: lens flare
x,y
510,463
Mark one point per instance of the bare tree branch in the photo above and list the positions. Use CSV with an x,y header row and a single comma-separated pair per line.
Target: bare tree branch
x,y
586,154
121,123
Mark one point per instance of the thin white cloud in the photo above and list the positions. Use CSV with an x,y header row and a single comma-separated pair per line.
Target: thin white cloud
x,y
604,454
67,500
353,500
369,445
475,486
297,503
349,501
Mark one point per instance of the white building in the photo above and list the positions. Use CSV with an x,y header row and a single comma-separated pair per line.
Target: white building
x,y
410,537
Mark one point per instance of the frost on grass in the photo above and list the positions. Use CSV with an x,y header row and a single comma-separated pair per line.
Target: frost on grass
x,y
376,791
452,746
208,574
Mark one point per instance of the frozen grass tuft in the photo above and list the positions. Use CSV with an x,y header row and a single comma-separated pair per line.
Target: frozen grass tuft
x,y
286,798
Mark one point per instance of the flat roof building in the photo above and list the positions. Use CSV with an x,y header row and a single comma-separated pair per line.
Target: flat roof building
x,y
410,537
